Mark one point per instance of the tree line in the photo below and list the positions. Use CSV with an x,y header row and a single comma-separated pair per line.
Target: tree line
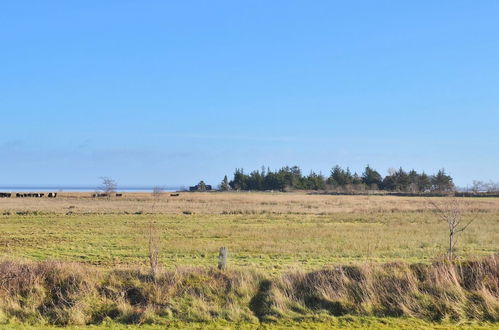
x,y
339,179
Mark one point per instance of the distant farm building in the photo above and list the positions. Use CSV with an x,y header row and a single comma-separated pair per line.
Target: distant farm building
x,y
201,186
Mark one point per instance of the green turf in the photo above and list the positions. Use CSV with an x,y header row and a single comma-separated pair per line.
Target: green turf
x,y
264,241
344,322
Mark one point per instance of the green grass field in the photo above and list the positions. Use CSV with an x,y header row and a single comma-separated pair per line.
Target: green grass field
x,y
269,236
266,241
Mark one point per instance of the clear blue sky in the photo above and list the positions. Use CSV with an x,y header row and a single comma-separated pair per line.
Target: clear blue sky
x,y
172,92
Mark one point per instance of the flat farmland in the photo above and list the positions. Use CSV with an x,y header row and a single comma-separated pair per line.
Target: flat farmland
x,y
269,231
295,261
229,203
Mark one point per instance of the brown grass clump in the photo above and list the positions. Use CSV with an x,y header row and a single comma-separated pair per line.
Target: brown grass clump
x,y
61,293
443,290
51,292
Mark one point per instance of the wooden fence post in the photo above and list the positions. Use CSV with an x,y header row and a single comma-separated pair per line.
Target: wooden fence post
x,y
222,258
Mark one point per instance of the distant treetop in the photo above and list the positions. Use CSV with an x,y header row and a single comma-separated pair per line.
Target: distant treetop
x,y
291,178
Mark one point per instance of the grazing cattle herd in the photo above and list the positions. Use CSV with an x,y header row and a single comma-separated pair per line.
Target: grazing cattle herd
x,y
49,195
28,194
54,194
106,195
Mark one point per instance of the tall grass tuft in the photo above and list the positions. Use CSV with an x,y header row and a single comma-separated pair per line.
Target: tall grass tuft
x,y
71,294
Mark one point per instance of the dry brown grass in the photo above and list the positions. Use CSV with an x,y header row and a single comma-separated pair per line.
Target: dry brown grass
x,y
469,289
227,203
58,293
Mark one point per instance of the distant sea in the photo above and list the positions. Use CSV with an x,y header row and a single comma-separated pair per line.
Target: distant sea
x,y
84,188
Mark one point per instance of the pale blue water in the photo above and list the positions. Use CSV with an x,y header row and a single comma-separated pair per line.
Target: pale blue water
x,y
82,188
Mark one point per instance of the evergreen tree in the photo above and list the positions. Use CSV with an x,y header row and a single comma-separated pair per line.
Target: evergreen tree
x,y
371,177
224,185
313,182
413,181
442,182
340,177
356,179
292,178
201,186
255,181
239,181
424,182
402,180
389,182
273,181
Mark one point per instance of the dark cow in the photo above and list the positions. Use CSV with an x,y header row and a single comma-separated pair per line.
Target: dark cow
x,y
174,195
5,195
100,195
30,194
52,195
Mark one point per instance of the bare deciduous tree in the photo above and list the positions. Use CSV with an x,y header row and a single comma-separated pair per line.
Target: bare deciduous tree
x,y
108,185
452,211
477,186
157,192
480,186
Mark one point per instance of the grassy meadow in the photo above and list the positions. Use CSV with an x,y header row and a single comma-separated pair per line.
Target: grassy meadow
x,y
272,232
271,237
